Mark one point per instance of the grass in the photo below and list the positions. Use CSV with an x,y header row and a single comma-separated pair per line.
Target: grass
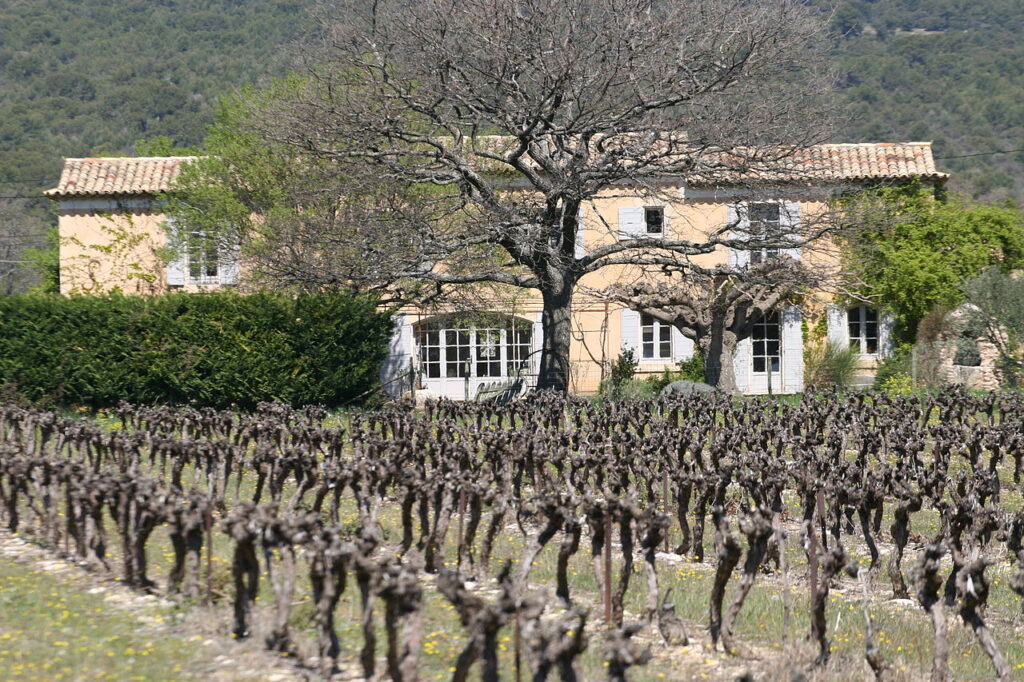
x,y
52,630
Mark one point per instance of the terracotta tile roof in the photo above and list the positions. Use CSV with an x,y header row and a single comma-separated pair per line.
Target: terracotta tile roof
x,y
117,176
853,162
826,163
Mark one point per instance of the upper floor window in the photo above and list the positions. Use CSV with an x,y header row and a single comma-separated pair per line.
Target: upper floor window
x,y
764,224
654,220
202,258
655,339
863,326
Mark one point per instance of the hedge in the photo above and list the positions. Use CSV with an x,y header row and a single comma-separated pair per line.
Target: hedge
x,y
216,350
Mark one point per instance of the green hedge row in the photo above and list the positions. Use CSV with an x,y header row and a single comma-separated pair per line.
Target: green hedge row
x,y
216,350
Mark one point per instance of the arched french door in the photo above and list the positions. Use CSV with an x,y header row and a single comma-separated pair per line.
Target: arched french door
x,y
459,353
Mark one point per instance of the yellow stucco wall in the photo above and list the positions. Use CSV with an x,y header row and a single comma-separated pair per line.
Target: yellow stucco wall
x,y
120,247
111,248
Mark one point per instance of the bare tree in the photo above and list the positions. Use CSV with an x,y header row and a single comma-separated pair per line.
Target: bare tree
x,y
718,307
506,117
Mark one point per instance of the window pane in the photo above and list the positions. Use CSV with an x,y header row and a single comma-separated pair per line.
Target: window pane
x,y
666,349
870,315
768,212
775,365
654,217
648,350
759,364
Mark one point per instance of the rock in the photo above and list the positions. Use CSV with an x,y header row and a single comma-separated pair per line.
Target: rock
x,y
687,388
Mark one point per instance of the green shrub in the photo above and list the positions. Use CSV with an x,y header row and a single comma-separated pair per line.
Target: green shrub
x,y
624,367
898,383
630,389
691,369
830,365
216,350
896,364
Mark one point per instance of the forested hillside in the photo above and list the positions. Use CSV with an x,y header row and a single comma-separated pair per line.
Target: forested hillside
x,y
951,71
85,77
82,77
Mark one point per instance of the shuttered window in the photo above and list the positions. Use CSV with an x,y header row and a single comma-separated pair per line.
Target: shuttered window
x,y
862,323
655,339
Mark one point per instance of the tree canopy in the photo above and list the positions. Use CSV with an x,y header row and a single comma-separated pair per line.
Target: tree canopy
x,y
914,252
435,115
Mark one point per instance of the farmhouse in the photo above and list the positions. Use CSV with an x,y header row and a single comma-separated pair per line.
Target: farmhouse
x,y
113,236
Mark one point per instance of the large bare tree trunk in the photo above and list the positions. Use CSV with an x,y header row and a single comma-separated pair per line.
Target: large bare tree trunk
x,y
556,322
718,348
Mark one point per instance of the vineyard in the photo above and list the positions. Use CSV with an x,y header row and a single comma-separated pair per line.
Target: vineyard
x,y
845,536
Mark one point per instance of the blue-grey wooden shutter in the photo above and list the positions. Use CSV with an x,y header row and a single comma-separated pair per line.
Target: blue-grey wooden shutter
x,y
536,343
228,266
838,332
631,223
629,330
789,220
792,350
886,323
682,347
177,267
741,365
580,220
399,359
738,258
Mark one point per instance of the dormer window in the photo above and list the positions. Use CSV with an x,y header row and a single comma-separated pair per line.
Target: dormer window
x,y
202,256
654,220
765,222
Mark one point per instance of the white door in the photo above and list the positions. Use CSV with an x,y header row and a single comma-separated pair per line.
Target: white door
x,y
458,355
766,359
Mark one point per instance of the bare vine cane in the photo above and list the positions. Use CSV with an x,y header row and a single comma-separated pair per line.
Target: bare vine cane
x,y
872,653
757,527
728,552
972,592
555,644
623,652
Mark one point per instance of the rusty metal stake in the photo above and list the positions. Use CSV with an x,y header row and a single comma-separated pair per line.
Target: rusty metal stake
x,y
608,568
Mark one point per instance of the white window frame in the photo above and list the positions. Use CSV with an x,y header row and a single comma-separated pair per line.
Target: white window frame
x,y
763,255
203,279
857,315
513,349
660,234
660,335
759,335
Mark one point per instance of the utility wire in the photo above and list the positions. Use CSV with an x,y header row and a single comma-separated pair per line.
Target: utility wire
x,y
966,156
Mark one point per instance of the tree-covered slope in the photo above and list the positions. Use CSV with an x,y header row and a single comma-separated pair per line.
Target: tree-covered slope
x,y
90,76
80,77
951,71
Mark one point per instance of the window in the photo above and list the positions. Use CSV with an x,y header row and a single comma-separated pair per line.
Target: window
x,y
458,349
518,336
430,353
202,256
863,325
764,224
765,340
491,346
655,339
654,220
